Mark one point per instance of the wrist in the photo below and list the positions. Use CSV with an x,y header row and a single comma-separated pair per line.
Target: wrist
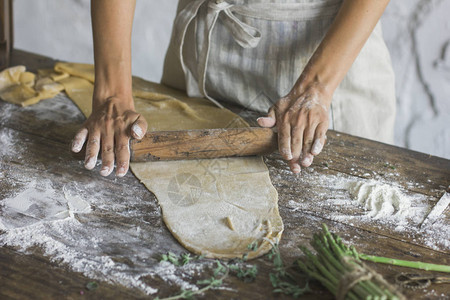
x,y
116,103
314,85
114,86
113,79
102,92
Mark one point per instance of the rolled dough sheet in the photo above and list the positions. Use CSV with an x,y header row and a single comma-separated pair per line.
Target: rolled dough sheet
x,y
213,207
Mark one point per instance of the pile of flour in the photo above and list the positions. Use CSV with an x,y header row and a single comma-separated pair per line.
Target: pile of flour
x,y
381,200
392,207
350,201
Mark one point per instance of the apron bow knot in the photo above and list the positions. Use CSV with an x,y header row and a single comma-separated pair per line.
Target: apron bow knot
x,y
245,35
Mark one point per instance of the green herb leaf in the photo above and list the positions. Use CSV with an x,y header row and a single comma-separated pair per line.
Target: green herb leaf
x,y
281,280
220,268
92,286
186,258
253,246
205,281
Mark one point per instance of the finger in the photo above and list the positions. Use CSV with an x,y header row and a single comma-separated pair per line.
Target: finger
x,y
296,146
139,128
319,138
122,154
268,121
79,139
284,136
107,152
307,157
92,148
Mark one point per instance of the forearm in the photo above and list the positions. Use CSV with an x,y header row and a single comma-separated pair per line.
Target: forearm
x,y
112,22
302,116
113,120
341,45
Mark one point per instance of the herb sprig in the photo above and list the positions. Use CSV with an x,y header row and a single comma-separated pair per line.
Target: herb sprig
x,y
282,281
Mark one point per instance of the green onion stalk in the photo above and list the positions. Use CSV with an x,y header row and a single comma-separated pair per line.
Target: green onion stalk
x,y
405,263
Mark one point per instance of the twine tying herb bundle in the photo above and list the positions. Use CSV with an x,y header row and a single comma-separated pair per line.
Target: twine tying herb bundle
x,y
340,270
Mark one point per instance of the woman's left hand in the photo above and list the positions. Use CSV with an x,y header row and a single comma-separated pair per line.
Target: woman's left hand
x,y
302,119
302,116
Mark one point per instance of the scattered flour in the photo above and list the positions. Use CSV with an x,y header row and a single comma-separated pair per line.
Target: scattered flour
x,y
76,204
437,210
71,229
7,137
72,224
45,110
354,202
168,272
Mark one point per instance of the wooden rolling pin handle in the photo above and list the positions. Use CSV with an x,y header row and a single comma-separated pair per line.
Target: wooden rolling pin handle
x,y
204,143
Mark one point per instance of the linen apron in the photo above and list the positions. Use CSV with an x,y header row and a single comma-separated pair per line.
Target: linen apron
x,y
251,52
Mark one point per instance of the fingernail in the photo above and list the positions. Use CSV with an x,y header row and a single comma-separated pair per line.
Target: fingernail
x,y
307,161
137,130
288,155
104,171
90,163
317,147
262,118
76,146
121,172
296,169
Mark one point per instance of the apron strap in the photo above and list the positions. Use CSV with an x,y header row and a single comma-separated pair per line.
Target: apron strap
x,y
245,35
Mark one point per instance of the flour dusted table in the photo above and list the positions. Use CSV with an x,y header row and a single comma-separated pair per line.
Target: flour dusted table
x,y
34,276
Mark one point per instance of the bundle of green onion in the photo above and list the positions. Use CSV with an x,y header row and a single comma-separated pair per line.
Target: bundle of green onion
x,y
340,270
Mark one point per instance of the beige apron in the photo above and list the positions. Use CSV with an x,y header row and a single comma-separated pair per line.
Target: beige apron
x,y
251,52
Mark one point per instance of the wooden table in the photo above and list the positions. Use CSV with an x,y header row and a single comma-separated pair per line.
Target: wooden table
x,y
34,276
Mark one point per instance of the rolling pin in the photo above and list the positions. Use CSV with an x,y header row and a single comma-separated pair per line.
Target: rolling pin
x,y
203,143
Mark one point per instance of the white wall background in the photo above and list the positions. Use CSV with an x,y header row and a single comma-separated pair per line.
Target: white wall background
x,y
417,33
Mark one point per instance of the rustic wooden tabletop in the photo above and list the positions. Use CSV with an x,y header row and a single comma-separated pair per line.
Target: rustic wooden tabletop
x,y
317,196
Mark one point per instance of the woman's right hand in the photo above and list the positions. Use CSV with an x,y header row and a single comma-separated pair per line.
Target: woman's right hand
x,y
109,128
302,119
113,120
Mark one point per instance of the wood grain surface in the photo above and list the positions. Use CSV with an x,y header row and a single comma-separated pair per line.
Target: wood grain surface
x,y
46,138
203,143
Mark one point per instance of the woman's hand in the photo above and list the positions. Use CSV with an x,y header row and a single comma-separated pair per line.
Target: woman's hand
x,y
302,116
302,119
109,128
113,120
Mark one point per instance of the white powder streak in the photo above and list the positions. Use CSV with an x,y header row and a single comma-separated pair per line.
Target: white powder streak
x,y
6,142
39,216
97,267
437,210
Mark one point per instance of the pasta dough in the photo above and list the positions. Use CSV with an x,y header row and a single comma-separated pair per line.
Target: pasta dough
x,y
21,87
213,207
